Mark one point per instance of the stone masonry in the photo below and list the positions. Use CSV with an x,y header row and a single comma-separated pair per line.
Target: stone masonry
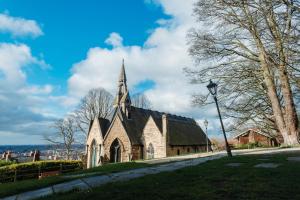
x,y
117,131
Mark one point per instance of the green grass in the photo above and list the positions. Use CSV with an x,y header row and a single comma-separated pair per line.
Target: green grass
x,y
211,180
7,189
111,168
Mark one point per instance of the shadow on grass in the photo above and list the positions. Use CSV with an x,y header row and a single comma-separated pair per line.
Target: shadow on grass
x,y
210,180
7,189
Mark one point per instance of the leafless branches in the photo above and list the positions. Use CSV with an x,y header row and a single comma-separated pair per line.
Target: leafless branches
x,y
253,53
141,101
97,103
65,135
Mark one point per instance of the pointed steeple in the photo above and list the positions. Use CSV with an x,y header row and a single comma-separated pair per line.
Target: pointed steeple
x,y
122,98
122,77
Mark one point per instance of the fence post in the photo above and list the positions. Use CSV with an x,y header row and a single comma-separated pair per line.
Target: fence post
x,y
39,172
15,177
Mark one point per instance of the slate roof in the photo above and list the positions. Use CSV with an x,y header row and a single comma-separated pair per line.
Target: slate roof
x,y
181,130
104,125
185,132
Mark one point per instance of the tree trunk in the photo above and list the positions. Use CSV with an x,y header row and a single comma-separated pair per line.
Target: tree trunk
x,y
290,115
291,118
272,94
287,122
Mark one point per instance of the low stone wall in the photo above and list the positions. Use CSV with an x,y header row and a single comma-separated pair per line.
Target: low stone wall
x,y
179,150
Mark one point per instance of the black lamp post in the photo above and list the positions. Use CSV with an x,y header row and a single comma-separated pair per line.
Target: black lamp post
x,y
212,87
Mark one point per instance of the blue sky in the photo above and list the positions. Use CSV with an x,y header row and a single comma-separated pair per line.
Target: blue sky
x,y
53,52
72,27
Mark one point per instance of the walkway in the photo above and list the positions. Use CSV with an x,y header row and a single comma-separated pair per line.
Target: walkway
x,y
95,181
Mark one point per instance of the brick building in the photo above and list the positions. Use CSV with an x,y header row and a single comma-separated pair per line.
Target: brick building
x,y
255,136
135,133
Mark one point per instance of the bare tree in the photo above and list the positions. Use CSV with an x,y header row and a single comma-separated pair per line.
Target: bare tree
x,y
253,52
141,101
97,103
66,130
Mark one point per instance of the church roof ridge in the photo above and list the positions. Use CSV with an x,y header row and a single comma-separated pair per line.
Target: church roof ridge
x,y
171,116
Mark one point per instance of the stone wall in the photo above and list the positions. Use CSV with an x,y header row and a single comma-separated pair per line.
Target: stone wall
x,y
117,131
180,150
151,134
94,135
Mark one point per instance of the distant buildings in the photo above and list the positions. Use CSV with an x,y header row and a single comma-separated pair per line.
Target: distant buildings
x,y
255,136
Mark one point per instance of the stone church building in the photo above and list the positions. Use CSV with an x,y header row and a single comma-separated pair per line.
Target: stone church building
x,y
135,133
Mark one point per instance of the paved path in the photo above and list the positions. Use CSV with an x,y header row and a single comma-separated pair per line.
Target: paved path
x,y
95,181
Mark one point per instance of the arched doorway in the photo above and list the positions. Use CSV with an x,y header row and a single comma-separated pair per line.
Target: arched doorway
x,y
115,151
150,151
93,154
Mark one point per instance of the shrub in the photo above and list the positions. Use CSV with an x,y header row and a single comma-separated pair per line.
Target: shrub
x,y
250,145
4,163
31,170
242,146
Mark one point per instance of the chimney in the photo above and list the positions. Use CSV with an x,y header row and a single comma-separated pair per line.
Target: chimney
x,y
164,125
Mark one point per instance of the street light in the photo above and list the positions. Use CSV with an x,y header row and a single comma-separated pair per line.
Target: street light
x,y
212,87
206,124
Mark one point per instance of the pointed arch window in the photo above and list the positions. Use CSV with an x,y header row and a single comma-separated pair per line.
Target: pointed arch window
x,y
115,151
150,151
93,154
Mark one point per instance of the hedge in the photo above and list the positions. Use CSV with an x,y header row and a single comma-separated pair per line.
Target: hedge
x,y
31,170
4,163
250,145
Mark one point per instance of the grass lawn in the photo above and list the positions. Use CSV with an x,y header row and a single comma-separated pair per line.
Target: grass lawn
x,y
7,189
211,180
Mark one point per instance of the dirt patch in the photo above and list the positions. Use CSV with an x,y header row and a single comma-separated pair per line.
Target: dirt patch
x,y
267,165
263,159
297,159
234,164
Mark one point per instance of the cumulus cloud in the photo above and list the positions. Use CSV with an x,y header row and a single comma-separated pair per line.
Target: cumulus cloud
x,y
21,118
36,89
13,59
160,59
114,40
28,110
19,26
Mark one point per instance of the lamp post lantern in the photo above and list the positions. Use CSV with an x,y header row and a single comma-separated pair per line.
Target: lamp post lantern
x,y
212,87
206,124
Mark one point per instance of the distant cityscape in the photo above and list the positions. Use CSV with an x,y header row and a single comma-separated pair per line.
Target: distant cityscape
x,y
23,153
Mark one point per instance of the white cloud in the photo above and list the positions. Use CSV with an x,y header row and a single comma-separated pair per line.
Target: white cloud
x,y
115,40
161,59
178,9
181,10
36,89
19,26
13,58
26,109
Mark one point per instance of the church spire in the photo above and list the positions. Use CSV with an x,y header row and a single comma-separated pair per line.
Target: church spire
x,y
122,98
122,77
